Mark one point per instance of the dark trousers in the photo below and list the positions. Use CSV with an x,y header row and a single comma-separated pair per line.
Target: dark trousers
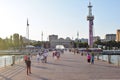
x,y
28,69
88,60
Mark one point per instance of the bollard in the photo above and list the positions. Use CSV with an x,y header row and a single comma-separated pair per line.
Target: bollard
x,y
19,58
13,60
118,60
97,56
5,62
109,59
102,57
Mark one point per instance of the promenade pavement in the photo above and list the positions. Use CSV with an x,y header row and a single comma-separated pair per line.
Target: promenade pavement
x,y
69,67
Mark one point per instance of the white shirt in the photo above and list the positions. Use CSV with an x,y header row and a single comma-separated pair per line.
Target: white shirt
x,y
38,56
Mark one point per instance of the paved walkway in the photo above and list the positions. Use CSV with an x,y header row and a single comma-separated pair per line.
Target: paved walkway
x,y
69,67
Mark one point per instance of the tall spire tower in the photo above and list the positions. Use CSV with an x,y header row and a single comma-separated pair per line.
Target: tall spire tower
x,y
27,30
90,18
77,39
42,36
42,39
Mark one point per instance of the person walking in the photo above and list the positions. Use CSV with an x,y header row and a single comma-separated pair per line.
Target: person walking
x,y
28,63
53,54
45,54
58,55
38,58
28,66
92,58
88,58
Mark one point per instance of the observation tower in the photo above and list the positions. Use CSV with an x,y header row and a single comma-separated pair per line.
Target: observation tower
x,y
90,18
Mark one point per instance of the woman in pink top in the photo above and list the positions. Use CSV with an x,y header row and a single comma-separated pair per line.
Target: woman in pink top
x,y
88,58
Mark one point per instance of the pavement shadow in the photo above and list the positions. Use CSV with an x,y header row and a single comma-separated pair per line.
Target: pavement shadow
x,y
4,78
20,65
12,71
39,77
67,58
109,66
59,64
39,67
71,61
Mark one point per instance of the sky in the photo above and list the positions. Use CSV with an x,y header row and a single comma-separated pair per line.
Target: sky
x,y
60,17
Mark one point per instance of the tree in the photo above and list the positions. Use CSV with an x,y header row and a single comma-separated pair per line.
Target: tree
x,y
118,44
13,42
21,41
7,43
16,40
98,42
80,45
38,43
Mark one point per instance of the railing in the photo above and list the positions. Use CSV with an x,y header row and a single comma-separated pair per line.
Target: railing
x,y
111,52
114,59
6,60
111,56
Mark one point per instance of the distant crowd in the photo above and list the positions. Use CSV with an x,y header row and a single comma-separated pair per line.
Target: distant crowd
x,y
41,56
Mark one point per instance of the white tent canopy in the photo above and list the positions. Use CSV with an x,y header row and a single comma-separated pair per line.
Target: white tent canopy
x,y
29,46
60,47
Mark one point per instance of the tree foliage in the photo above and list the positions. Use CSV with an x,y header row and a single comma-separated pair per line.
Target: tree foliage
x,y
108,44
15,41
80,45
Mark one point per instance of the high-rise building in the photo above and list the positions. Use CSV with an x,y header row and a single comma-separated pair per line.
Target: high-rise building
x,y
118,35
110,37
54,41
96,38
53,37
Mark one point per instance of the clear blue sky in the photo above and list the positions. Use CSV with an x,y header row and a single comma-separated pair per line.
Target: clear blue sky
x,y
61,17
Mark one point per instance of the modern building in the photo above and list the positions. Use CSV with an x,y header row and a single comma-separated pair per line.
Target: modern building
x,y
96,38
53,37
54,41
110,37
118,35
103,40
